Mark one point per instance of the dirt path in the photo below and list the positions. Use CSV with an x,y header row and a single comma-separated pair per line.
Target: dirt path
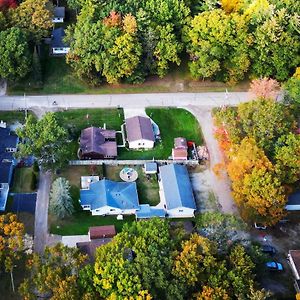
x,y
41,212
220,186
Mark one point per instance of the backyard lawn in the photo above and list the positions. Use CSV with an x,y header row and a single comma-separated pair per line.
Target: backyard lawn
x,y
80,222
23,180
172,122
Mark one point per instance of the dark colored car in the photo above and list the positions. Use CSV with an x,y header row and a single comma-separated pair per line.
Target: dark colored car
x,y
274,266
268,249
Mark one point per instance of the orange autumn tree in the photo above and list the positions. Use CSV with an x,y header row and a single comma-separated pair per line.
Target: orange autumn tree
x,y
256,189
11,240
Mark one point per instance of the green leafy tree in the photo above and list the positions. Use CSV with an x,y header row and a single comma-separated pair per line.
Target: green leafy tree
x,y
276,47
14,54
265,120
287,158
54,274
292,89
44,139
61,204
34,17
218,46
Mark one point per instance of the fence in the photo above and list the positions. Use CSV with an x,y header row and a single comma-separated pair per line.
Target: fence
x,y
112,162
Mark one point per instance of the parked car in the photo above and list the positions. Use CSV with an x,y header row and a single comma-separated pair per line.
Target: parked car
x,y
274,266
268,249
260,226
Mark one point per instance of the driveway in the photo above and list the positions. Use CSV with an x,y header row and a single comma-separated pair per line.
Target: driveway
x,y
220,186
41,212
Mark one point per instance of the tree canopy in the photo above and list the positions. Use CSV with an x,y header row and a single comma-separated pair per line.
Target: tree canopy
x,y
44,139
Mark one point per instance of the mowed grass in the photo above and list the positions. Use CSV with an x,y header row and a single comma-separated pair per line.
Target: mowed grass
x,y
172,122
22,182
11,117
80,222
76,120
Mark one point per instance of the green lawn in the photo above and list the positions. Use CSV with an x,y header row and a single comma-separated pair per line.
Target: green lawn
x,y
11,117
22,181
80,222
172,122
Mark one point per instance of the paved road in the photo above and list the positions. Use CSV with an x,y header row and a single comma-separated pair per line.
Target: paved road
x,y
41,212
122,100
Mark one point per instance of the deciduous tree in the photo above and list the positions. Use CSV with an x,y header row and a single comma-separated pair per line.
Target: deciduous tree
x,y
53,274
267,88
44,139
14,54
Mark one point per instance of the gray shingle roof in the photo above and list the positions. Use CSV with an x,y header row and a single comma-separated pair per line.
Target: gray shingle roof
x,y
139,128
59,12
177,186
57,41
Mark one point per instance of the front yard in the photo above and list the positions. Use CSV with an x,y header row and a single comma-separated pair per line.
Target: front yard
x,y
11,117
172,122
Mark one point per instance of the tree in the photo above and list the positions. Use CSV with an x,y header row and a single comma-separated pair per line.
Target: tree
x,y
7,4
218,46
287,154
128,267
221,228
53,274
276,47
256,188
61,204
292,88
265,120
44,139
11,240
267,88
14,54
34,17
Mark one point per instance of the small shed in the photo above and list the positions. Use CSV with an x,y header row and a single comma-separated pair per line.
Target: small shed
x,y
58,14
58,45
99,232
150,167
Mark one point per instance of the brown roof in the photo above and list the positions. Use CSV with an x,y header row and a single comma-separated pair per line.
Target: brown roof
x,y
179,153
98,232
180,143
94,140
89,248
139,128
295,255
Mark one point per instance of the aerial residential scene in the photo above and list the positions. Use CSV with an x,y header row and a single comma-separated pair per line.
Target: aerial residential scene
x,y
149,149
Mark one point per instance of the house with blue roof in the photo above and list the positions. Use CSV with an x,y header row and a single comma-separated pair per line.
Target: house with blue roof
x,y
107,197
8,145
176,191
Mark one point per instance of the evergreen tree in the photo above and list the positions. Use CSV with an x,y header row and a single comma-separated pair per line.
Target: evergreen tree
x,y
61,204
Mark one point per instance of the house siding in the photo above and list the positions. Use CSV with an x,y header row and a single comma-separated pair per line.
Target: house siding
x,y
141,144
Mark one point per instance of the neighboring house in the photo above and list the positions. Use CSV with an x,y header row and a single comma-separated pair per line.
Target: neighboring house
x,y
176,191
97,143
8,145
294,261
59,14
293,202
58,46
140,133
180,150
150,168
107,197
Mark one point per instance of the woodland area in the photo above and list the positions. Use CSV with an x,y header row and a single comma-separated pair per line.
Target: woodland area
x,y
126,41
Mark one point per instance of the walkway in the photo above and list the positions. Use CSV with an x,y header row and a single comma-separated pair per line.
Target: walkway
x,y
41,212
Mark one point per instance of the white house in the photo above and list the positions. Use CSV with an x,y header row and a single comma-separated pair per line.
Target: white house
x,y
139,131
176,192
58,14
58,46
107,197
